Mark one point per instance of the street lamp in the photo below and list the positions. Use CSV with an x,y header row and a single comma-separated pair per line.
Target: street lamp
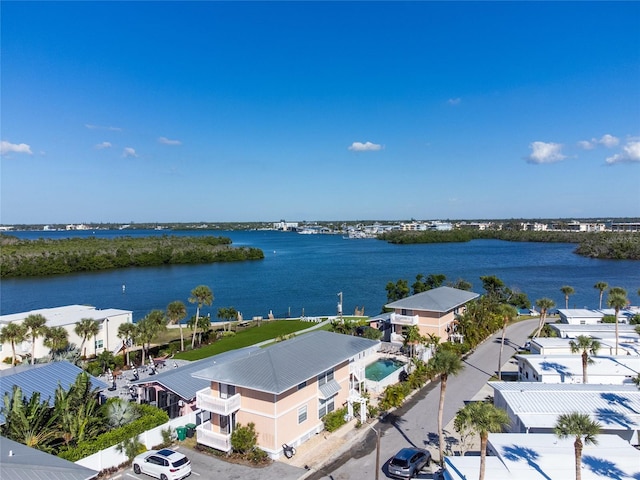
x,y
377,450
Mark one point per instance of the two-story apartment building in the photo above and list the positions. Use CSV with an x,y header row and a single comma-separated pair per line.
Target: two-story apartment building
x,y
433,312
67,317
284,389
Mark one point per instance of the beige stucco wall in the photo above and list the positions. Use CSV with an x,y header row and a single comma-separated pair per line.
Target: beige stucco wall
x,y
276,416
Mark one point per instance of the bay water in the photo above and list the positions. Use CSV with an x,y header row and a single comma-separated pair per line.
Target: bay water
x,y
303,274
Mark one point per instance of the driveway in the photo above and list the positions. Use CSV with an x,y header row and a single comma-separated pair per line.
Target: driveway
x,y
206,467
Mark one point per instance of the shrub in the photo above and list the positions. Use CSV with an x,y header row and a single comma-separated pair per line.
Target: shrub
x,y
244,438
151,417
609,319
334,420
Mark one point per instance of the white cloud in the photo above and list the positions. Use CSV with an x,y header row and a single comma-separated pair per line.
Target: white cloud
x,y
129,152
100,127
606,140
364,147
8,147
609,141
543,152
454,101
630,153
166,141
587,144
103,145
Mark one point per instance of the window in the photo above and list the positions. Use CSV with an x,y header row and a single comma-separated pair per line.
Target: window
x,y
99,344
325,406
302,385
325,377
302,414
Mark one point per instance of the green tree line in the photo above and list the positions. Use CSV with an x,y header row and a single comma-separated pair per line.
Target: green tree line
x,y
25,258
605,245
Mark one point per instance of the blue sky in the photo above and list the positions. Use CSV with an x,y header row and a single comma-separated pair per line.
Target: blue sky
x,y
209,111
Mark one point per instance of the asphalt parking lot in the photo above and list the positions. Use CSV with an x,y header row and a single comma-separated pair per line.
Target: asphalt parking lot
x,y
206,467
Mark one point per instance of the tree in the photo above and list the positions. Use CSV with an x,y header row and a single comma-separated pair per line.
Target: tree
x,y
411,338
566,291
601,286
444,363
508,313
176,312
56,339
86,328
30,422
200,295
228,314
131,447
76,410
586,346
544,304
13,333
397,291
482,418
147,328
127,332
617,300
583,429
35,325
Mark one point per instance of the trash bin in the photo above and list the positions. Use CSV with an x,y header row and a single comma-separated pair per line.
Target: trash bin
x,y
181,432
191,429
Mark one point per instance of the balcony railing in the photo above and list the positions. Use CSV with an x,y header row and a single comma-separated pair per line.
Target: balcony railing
x,y
206,436
397,319
206,400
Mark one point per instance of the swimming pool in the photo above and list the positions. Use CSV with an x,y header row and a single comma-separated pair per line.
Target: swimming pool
x,y
382,368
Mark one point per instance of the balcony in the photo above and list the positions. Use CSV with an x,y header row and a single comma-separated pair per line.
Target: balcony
x,y
206,436
206,400
397,319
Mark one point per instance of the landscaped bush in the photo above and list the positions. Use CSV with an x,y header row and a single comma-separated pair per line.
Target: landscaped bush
x,y
609,319
244,438
151,417
334,420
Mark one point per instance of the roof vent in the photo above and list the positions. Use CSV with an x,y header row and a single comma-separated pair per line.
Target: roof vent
x,y
11,453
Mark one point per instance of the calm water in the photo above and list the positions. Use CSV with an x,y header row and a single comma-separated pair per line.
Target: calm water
x,y
382,368
302,274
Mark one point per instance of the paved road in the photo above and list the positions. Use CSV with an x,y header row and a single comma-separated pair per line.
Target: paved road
x,y
415,424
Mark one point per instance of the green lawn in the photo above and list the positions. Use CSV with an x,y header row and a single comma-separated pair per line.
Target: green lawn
x,y
245,338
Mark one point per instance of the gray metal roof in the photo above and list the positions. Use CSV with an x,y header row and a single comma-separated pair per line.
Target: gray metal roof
x,y
536,404
67,315
43,378
181,381
26,463
277,368
441,299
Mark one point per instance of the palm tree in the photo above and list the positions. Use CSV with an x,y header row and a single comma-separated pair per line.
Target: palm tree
x,y
176,311
30,422
508,313
13,333
35,325
483,418
201,295
56,339
601,286
411,338
444,363
567,290
587,346
580,426
617,300
127,332
86,328
544,304
148,328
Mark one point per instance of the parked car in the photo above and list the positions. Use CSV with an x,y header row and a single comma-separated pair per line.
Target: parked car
x,y
408,462
164,464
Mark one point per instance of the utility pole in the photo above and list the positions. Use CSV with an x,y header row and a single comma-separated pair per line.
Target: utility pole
x,y
377,432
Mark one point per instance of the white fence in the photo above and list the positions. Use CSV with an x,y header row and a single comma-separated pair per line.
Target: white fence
x,y
110,457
